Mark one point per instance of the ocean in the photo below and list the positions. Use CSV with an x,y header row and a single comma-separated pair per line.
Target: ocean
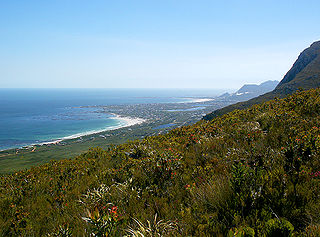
x,y
34,116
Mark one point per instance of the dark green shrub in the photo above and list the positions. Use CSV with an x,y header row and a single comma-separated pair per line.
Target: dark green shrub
x,y
278,228
241,232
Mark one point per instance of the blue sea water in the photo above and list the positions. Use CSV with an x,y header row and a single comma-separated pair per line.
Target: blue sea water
x,y
29,116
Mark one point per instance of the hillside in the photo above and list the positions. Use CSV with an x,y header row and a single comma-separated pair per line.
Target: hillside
x,y
253,171
305,74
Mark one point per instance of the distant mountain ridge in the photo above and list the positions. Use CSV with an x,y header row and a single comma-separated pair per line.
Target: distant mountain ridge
x,y
262,88
305,74
249,91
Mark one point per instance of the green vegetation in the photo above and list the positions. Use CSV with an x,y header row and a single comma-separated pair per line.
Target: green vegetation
x,y
253,172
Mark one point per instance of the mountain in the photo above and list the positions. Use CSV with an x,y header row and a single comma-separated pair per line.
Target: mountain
x,y
250,91
262,88
304,74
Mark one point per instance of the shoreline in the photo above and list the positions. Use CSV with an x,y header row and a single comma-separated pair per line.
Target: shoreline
x,y
196,100
124,122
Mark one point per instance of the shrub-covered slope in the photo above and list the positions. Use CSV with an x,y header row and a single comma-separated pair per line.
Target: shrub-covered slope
x,y
305,74
253,171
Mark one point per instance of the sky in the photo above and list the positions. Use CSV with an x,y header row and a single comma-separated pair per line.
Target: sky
x,y
152,43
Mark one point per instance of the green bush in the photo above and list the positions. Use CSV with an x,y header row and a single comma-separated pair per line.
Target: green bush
x,y
278,228
241,232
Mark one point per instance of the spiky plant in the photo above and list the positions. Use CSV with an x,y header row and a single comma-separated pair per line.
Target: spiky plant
x,y
155,228
101,214
102,223
62,231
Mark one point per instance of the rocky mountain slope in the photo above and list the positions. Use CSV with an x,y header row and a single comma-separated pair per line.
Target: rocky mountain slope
x,y
304,74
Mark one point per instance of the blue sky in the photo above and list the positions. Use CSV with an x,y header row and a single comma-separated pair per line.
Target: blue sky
x,y
152,44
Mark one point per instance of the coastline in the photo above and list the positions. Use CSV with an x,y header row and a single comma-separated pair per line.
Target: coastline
x,y
197,100
130,122
124,122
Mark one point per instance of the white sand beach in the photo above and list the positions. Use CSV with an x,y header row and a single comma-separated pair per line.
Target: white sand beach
x,y
124,122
